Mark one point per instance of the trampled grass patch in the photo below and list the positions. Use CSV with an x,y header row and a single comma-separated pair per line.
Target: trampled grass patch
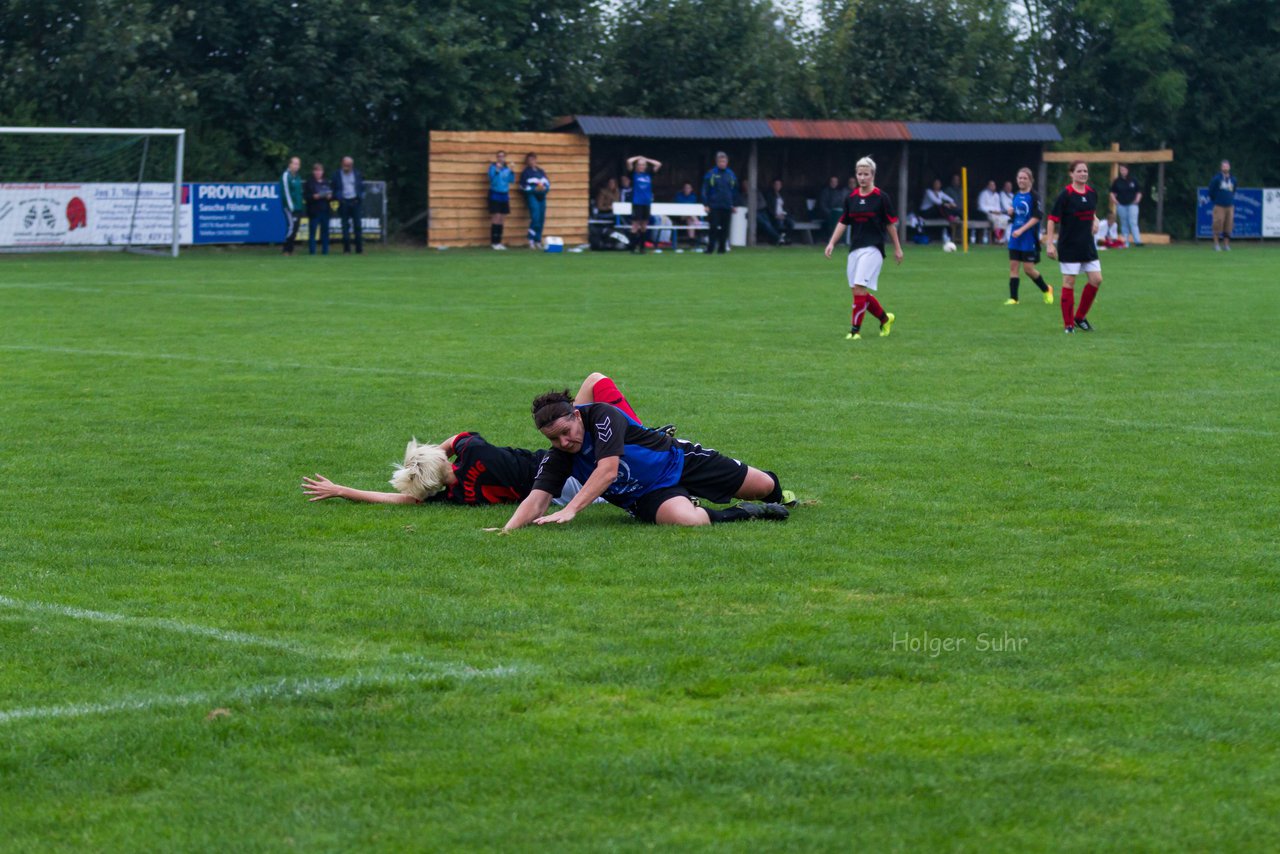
x,y
1028,601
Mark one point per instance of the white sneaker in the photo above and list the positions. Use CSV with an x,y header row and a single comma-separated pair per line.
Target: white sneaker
x,y
495,246
501,247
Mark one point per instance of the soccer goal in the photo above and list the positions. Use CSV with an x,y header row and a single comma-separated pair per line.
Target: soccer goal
x,y
92,189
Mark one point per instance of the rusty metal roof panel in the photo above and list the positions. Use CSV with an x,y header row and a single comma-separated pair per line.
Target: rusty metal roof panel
x,y
835,129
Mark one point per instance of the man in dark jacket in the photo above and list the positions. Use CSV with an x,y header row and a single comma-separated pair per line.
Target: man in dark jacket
x,y
348,186
831,205
318,193
719,190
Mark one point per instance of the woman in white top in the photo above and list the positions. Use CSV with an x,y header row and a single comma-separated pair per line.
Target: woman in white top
x,y
990,207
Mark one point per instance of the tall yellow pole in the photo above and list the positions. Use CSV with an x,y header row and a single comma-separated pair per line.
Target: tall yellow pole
x,y
964,204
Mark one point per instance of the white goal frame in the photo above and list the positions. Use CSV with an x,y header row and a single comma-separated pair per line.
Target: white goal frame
x,y
179,133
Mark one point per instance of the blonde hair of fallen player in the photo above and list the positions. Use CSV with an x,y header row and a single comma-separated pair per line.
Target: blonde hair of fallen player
x,y
865,174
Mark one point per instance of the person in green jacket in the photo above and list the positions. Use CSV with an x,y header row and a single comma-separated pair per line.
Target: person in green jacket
x,y
291,202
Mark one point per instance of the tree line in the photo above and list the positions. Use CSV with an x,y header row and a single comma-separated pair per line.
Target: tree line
x,y
256,80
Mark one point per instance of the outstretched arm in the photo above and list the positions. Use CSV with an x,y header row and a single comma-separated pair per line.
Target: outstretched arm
x,y
601,479
531,508
320,488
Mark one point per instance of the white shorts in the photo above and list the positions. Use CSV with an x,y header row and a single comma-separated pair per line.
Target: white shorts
x,y
864,267
1069,269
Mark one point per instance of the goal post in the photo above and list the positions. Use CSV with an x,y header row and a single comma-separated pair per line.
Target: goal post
x,y
75,188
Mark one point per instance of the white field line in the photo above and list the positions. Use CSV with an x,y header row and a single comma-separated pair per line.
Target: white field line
x,y
279,689
162,624
939,408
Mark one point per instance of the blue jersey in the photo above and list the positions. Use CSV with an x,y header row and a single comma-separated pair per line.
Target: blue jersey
x,y
500,179
1223,190
1026,206
641,188
648,459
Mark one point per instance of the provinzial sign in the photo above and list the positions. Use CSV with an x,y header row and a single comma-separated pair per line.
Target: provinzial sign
x,y
53,215
1257,213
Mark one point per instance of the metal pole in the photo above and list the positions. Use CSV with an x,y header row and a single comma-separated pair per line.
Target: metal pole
x,y
177,192
964,205
1042,178
753,163
1160,195
903,207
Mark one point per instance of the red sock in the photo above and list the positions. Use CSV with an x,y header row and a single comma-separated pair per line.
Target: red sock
x,y
873,306
859,309
1068,300
1086,299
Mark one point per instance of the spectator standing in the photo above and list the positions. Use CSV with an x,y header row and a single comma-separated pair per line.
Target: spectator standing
x,y
1222,192
349,186
719,191
534,183
777,211
1125,198
318,193
989,206
291,197
500,180
641,198
830,205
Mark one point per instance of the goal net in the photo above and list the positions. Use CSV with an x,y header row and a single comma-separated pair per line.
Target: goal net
x,y
92,188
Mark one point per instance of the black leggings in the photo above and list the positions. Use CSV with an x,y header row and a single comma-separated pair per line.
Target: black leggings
x,y
718,219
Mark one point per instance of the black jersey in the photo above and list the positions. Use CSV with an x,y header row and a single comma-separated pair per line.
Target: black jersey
x,y
1075,212
489,474
867,217
1125,190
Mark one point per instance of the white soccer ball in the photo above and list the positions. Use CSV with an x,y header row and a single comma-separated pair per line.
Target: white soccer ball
x,y
949,246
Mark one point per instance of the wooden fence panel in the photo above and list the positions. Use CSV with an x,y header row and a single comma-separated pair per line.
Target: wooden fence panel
x,y
458,185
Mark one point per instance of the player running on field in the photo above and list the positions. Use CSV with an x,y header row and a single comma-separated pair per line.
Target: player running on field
x,y
645,472
1024,238
481,474
1077,210
868,215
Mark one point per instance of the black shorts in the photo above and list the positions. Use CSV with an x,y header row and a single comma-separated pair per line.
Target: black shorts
x,y
707,474
640,214
1031,256
502,207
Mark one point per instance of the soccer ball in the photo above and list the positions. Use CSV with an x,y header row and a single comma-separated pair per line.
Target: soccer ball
x,y
949,246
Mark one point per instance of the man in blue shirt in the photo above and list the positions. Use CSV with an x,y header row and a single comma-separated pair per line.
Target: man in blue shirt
x,y
500,179
641,198
719,192
644,471
1222,192
349,185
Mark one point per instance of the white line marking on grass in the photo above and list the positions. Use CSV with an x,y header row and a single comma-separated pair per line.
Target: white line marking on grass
x,y
224,635
269,366
36,287
278,689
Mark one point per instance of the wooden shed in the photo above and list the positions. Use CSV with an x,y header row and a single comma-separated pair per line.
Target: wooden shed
x,y
458,185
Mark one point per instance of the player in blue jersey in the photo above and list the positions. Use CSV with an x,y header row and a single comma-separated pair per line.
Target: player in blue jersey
x,y
641,197
500,180
646,472
1024,238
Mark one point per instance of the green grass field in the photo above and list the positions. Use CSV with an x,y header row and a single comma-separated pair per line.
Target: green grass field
x,y
393,678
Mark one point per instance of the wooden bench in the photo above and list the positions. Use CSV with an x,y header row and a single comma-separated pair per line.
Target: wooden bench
x,y
673,210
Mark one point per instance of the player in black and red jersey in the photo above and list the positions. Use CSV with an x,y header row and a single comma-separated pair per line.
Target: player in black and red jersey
x,y
480,473
1076,210
868,216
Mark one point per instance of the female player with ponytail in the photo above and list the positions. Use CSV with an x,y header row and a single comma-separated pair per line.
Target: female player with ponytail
x,y
1024,238
868,216
1077,210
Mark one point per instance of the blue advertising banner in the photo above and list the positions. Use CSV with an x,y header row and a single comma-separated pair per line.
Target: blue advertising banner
x,y
236,213
254,213
1248,213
